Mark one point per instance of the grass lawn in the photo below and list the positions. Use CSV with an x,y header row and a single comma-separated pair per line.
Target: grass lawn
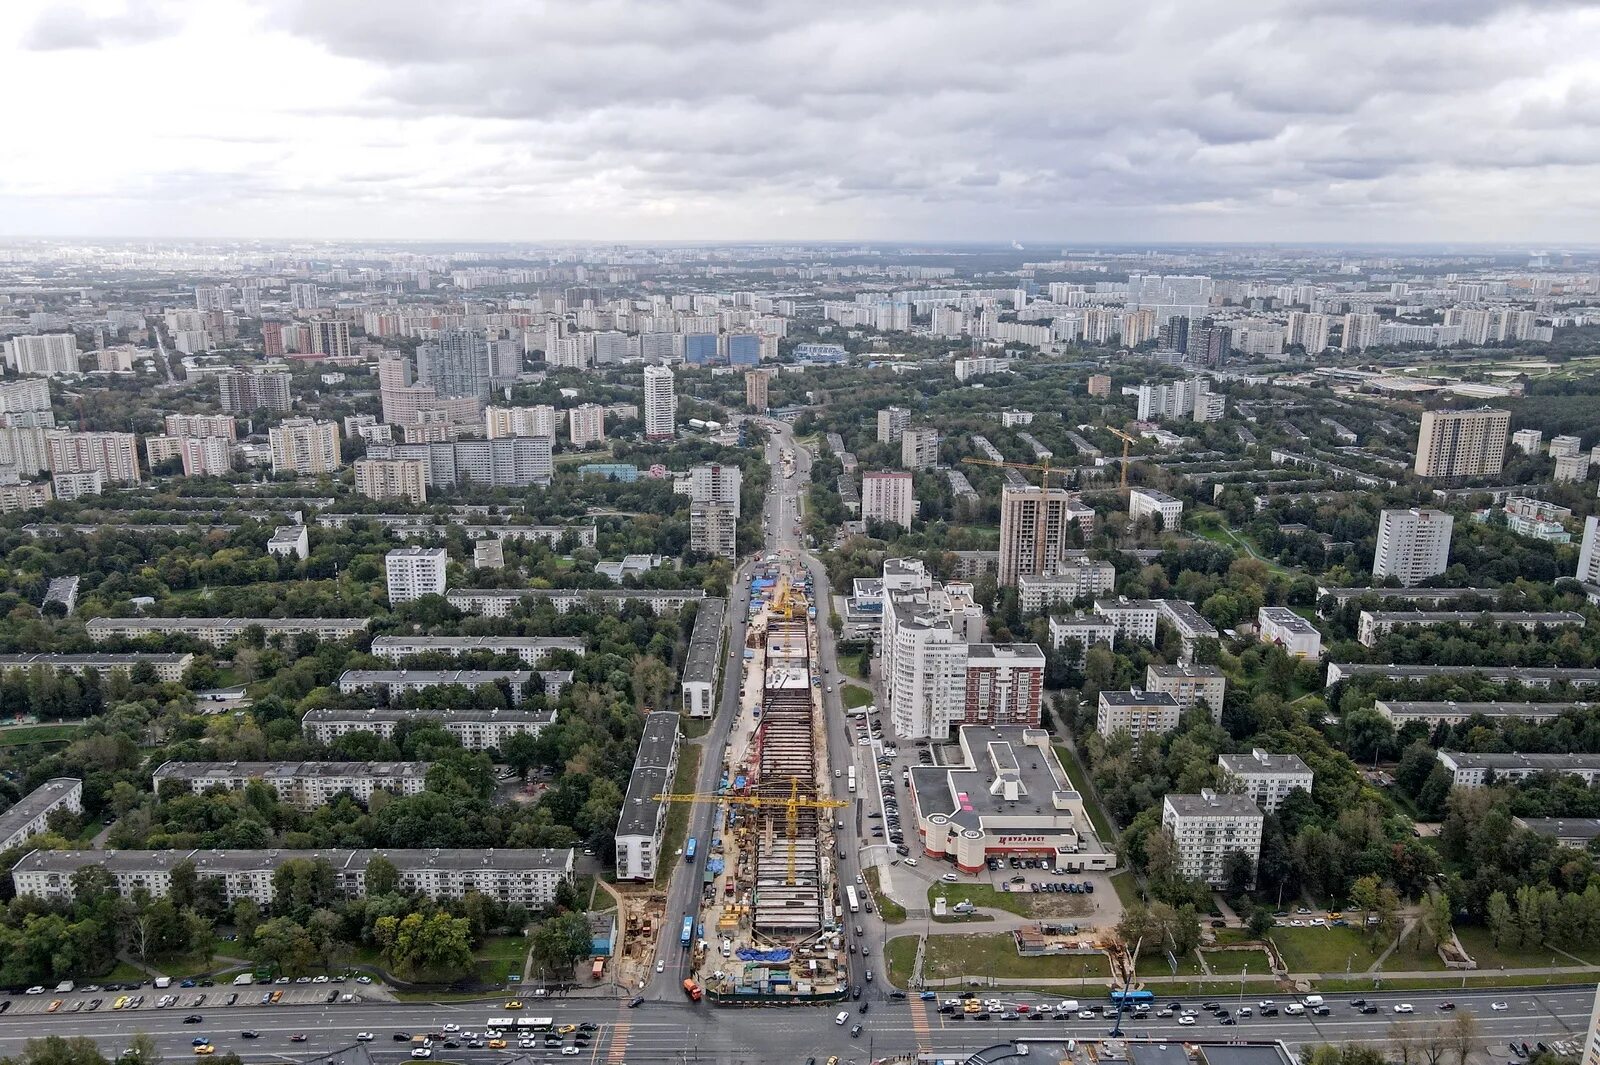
x,y
1237,961
1481,946
1022,903
695,727
1326,950
1127,889
678,815
1407,958
855,665
22,735
1154,963
1080,784
888,909
499,957
995,954
899,954
854,695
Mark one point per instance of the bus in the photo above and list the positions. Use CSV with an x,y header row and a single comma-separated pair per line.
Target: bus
x,y
852,899
688,851
1130,998
688,933
522,1024
852,779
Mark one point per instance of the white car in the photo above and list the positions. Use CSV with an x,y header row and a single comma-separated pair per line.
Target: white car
x,y
451,1028
528,1043
1086,1015
1403,1007
365,1037
949,878
911,862
422,1052
569,1051
661,965
1186,1019
1498,1006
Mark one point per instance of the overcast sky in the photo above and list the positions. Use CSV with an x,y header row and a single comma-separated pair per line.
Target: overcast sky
x,y
1136,120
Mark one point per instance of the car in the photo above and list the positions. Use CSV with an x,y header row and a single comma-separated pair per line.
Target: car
x,y
194,1018
55,1004
865,1006
299,1037
363,979
1164,1011
514,1004
635,1002
1403,1007
451,1028
1186,1020
588,1026
277,997
249,1033
365,1037
233,996
1226,1020
1447,1006
570,1052
204,1049
855,1031
1369,1008
401,1037
34,990
950,878
199,1041
1499,1006
497,1044
422,1052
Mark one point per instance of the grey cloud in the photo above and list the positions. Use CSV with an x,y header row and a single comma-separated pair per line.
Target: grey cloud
x,y
68,27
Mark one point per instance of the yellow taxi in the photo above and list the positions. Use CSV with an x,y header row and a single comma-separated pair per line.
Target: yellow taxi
x,y
122,1001
54,1005
205,1048
567,1029
497,1044
514,1004
972,1005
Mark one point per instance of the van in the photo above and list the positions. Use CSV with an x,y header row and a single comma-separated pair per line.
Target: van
x,y
844,1015
64,987
243,980
1294,1009
163,981
1312,1000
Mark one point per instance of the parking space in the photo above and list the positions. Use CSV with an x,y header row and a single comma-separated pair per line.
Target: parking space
x,y
145,996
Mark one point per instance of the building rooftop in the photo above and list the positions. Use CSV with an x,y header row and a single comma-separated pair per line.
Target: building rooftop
x,y
1285,618
418,552
35,803
192,771
1584,828
652,775
1212,804
516,859
104,659
1532,674
1004,653
1137,698
1532,711
156,625
1165,671
1260,761
1467,617
465,644
1013,771
472,678
1156,495
396,713
701,660
1521,763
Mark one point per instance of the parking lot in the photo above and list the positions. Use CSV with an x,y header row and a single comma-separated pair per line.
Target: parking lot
x,y
187,995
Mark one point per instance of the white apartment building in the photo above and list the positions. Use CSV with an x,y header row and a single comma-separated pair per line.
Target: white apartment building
x,y
660,403
115,456
533,650
643,816
201,455
1282,626
478,730
714,509
303,446
1570,469
586,424
1565,445
1528,441
413,572
1413,545
392,479
526,876
202,425
49,355
70,486
1138,713
1462,443
1189,685
1469,770
219,632
1086,629
1589,553
892,424
30,815
169,668
24,496
293,541
501,422
1207,828
305,785
394,682
1151,503
1267,778
887,496
1135,619
1073,579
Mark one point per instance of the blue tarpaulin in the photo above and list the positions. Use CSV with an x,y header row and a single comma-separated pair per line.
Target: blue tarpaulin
x,y
746,954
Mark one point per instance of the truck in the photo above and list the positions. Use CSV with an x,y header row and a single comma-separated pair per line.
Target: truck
x,y
688,932
688,850
597,970
692,989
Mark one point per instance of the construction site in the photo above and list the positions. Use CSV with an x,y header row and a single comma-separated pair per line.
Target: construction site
x,y
770,926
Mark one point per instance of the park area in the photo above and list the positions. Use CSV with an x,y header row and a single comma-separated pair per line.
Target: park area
x,y
988,955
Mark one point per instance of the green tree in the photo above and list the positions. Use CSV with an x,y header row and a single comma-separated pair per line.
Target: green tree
x,y
562,940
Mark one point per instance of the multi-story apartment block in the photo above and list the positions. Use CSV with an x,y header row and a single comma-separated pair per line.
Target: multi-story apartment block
x,y
697,687
1100,385
533,650
49,355
519,421
395,682
1154,504
456,365
392,479
478,730
413,572
1462,443
1085,630
1413,545
1589,552
525,876
892,424
167,668
1036,530
1004,685
1468,770
919,448
1296,635
1189,685
1528,441
1073,579
1267,778
887,496
306,785
239,392
219,632
1135,619
714,509
30,815
202,425
1374,624
115,456
304,446
200,455
1209,827
24,496
1138,713
499,602
644,816
292,541
660,403
756,387
586,424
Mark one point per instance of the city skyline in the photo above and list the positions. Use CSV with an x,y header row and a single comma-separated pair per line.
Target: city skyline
x,y
1462,124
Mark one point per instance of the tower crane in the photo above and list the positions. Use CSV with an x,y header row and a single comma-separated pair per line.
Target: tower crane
x,y
1127,441
792,805
1043,469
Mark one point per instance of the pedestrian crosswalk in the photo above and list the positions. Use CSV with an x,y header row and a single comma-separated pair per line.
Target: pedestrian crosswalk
x,y
618,1051
919,1025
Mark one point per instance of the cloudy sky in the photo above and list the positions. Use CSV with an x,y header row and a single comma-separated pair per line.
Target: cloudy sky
x,y
1063,120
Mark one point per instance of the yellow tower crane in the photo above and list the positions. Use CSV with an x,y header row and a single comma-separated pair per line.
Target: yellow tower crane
x,y
792,806
1127,441
1043,469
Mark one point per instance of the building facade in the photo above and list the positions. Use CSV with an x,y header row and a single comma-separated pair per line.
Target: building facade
x,y
413,572
1462,443
1209,827
1413,545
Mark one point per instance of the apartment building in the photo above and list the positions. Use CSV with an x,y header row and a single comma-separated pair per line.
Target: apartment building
x,y
219,632
1073,579
533,650
115,456
1004,685
1374,624
30,815
168,668
478,730
1086,630
697,688
1153,504
413,572
241,393
919,448
526,876
1189,685
1135,619
1469,770
202,425
660,403
714,510
1462,443
501,422
1413,545
892,424
1448,712
887,496
643,817
586,424
498,602
304,446
392,479
1209,827
1138,713
290,541
1296,635
304,785
394,682
1267,778
1036,530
